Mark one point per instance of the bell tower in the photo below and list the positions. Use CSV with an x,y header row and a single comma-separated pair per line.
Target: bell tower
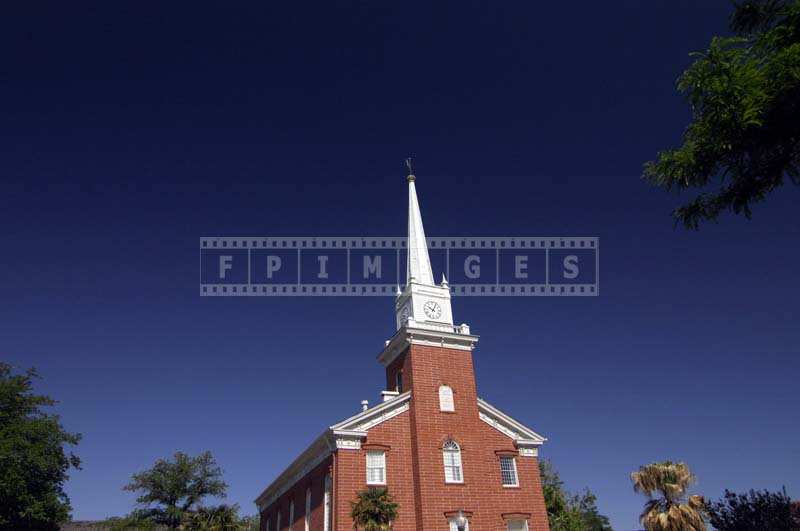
x,y
423,310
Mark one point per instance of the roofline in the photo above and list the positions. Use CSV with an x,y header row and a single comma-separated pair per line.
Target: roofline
x,y
325,444
373,411
314,450
532,435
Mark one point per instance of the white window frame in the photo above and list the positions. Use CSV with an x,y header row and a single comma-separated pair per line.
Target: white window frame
x,y
376,461
446,399
451,448
454,527
307,517
513,469
524,523
291,514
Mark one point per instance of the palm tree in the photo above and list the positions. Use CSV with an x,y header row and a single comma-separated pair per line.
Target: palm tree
x,y
218,518
668,508
373,510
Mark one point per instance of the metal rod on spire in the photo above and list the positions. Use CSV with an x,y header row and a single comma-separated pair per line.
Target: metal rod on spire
x,y
410,166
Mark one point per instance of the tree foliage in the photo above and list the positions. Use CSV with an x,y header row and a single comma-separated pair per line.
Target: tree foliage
x,y
373,510
33,462
172,491
763,510
566,511
744,93
668,508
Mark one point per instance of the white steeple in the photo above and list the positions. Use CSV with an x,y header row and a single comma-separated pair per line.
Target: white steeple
x,y
418,265
421,304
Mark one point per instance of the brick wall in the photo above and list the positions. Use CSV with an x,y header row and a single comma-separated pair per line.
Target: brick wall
x,y
415,472
482,494
315,480
394,437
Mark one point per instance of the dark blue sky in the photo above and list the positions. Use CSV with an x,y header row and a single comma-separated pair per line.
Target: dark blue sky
x,y
129,132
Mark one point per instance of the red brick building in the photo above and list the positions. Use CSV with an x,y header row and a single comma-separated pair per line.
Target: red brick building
x,y
439,449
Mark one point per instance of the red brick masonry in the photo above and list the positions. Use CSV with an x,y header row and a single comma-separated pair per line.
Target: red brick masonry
x,y
413,443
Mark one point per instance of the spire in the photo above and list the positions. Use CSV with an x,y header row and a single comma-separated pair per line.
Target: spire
x,y
418,265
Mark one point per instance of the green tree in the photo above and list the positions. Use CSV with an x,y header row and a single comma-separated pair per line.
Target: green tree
x,y
33,461
744,93
668,508
566,511
172,490
373,510
763,510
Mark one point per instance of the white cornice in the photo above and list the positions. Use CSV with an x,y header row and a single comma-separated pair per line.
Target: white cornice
x,y
375,415
447,336
315,454
527,440
345,435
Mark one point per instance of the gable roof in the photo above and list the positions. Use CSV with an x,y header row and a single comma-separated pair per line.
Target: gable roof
x,y
508,426
345,434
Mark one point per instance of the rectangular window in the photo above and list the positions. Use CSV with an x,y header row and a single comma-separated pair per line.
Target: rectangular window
x,y
452,467
376,467
517,525
454,527
508,469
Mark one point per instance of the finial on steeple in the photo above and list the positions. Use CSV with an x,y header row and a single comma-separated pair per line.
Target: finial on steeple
x,y
410,166
444,281
418,265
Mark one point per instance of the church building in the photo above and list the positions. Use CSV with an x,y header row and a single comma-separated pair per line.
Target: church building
x,y
450,459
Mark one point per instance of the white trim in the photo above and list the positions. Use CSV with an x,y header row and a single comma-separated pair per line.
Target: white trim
x,y
365,420
453,527
514,468
457,462
447,401
345,435
381,466
307,514
524,522
448,337
316,453
526,440
327,509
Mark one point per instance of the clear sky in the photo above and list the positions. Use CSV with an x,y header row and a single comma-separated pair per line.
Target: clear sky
x,y
129,131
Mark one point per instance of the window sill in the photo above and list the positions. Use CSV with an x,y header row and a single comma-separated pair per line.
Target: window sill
x,y
511,486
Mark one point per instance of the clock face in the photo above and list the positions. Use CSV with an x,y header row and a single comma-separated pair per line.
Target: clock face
x,y
432,310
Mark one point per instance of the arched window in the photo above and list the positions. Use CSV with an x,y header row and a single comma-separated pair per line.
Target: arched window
x,y
307,517
446,399
291,514
451,453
